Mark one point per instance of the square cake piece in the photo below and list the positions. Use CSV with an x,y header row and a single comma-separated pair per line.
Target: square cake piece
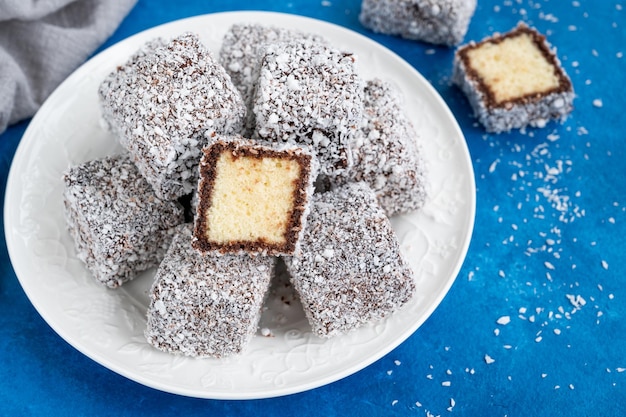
x,y
349,270
206,306
386,152
309,93
120,227
252,198
513,80
163,103
239,55
442,22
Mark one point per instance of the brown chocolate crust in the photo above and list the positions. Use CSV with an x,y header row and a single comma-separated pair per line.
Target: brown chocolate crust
x,y
205,188
490,102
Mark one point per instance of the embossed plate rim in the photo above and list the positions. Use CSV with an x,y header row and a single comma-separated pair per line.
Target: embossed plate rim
x,y
449,213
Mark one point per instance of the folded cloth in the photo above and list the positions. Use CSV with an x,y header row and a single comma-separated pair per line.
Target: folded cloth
x,y
42,42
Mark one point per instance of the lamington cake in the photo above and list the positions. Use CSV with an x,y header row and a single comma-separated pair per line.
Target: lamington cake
x,y
349,270
239,55
386,152
442,22
206,306
309,93
252,198
513,80
119,226
163,103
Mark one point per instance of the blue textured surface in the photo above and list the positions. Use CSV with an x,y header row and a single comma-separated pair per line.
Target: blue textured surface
x,y
547,252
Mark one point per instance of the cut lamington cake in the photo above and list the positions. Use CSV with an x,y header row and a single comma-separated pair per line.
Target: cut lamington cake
x,y
252,198
309,93
513,80
206,306
120,227
163,103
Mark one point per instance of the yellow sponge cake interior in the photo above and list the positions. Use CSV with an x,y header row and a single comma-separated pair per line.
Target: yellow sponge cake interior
x,y
251,198
514,66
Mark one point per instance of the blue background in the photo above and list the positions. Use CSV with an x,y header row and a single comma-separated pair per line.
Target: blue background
x,y
547,252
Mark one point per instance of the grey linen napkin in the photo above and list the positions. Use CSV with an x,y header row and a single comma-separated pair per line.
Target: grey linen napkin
x,y
42,42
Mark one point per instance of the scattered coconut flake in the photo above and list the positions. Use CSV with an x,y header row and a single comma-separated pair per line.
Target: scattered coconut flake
x,y
489,360
504,320
493,165
576,300
597,103
552,137
452,404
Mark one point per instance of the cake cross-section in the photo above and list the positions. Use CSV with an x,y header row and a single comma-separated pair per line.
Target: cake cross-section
x,y
252,198
349,270
120,227
513,80
164,102
206,306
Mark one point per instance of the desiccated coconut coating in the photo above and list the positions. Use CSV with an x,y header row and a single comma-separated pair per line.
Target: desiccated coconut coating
x,y
513,80
386,152
239,54
253,198
349,270
206,306
309,93
435,21
120,227
163,103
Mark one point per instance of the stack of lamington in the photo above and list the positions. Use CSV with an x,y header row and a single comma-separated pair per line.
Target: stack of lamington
x,y
277,148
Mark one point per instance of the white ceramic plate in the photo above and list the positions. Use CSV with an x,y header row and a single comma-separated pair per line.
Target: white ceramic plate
x,y
108,325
